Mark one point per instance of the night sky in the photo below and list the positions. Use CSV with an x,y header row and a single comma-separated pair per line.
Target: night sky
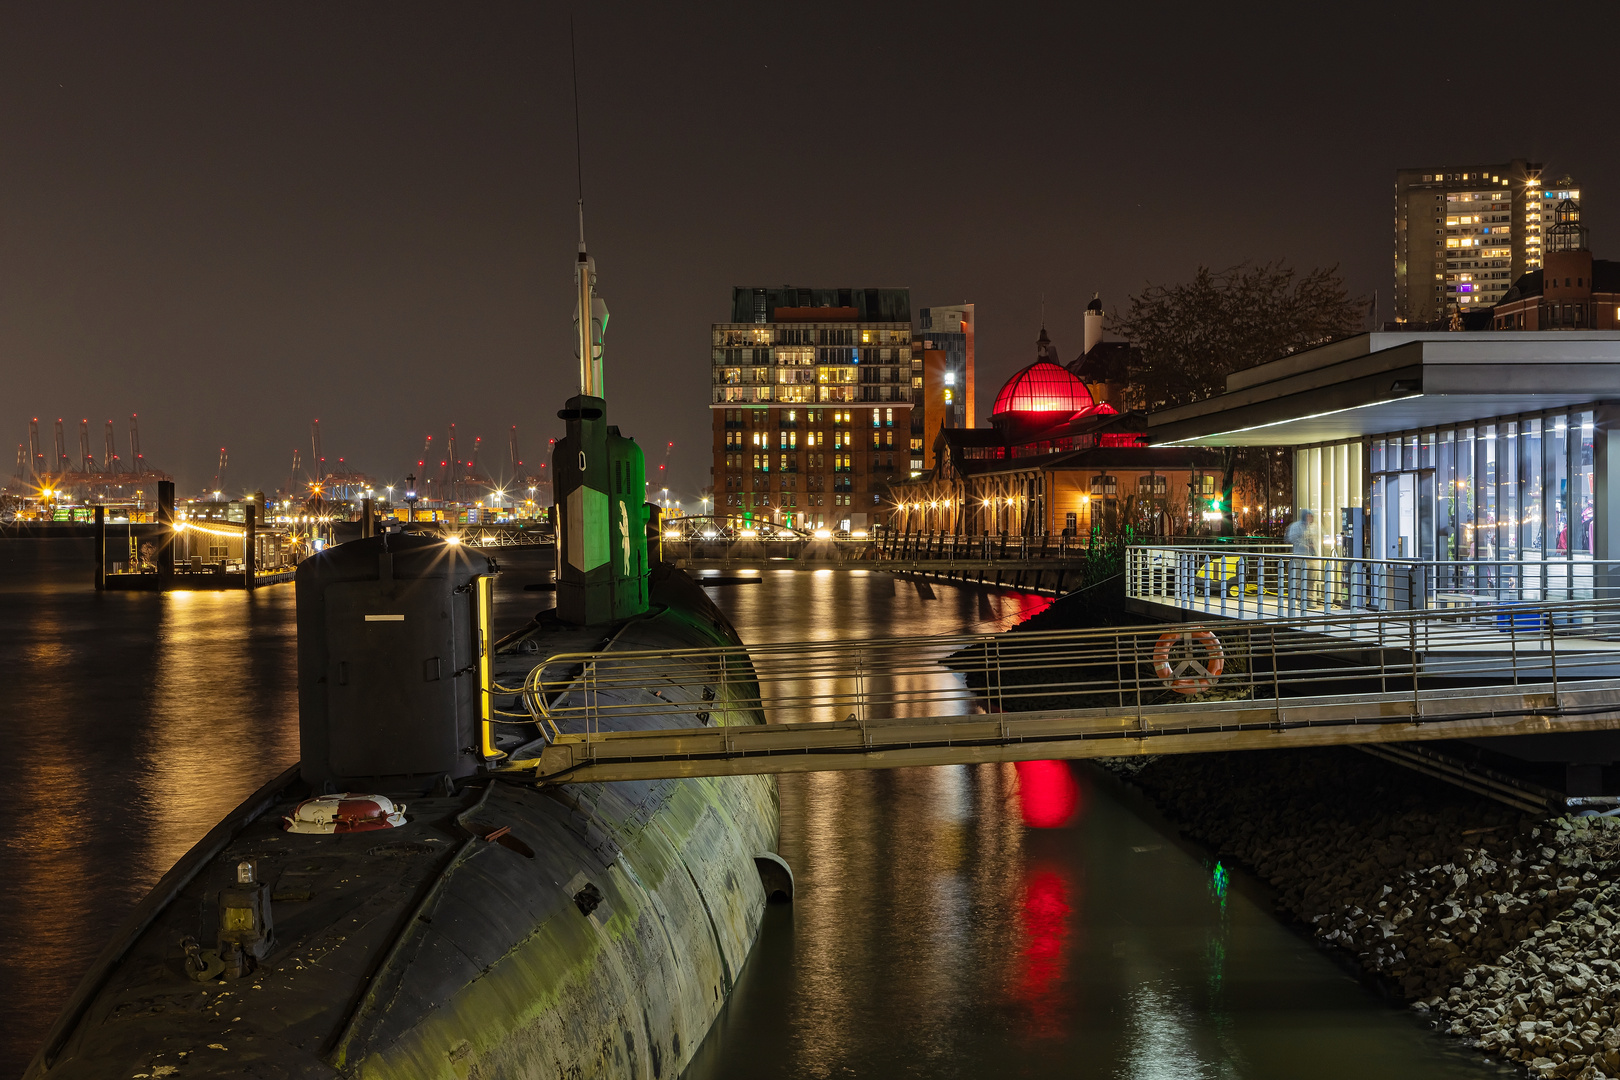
x,y
233,218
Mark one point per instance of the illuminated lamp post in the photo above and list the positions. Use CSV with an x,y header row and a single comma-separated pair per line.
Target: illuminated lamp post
x,y
410,495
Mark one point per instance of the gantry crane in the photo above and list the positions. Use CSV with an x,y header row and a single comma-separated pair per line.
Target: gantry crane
x,y
87,460
137,460
317,461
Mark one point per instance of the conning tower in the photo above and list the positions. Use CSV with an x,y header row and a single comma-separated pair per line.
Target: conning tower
x,y
394,651
599,483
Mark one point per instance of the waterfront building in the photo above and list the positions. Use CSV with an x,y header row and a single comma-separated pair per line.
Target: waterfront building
x,y
1487,460
1573,291
811,401
1464,234
942,378
1053,461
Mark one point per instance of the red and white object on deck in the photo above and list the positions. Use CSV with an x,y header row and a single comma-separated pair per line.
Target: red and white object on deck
x,y
345,813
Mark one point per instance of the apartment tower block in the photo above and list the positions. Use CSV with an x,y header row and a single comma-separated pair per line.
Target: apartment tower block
x,y
1465,234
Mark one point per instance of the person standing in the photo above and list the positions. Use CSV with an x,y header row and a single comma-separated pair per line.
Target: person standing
x,y
1306,540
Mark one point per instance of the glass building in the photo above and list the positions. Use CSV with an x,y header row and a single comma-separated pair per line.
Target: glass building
x,y
1491,457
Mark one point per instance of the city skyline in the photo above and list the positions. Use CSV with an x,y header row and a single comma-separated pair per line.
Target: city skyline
x,y
234,222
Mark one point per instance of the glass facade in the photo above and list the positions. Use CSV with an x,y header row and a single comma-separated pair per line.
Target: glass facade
x,y
1499,494
1328,481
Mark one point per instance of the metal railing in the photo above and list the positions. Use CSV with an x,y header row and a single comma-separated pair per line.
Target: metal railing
x,y
983,547
1177,670
1269,581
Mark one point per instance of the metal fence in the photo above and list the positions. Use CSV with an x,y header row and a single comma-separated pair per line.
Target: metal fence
x,y
1397,656
1262,581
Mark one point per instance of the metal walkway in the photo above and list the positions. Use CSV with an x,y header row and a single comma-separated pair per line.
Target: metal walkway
x,y
1178,688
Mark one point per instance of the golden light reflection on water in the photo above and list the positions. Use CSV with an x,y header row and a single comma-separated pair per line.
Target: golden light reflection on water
x,y
223,724
132,723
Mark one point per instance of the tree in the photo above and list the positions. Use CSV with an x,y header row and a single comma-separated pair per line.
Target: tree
x,y
1189,337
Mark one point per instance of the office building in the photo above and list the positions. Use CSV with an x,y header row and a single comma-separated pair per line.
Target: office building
x,y
1465,234
811,401
942,378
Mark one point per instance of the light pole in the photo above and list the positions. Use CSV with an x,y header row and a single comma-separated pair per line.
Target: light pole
x,y
410,495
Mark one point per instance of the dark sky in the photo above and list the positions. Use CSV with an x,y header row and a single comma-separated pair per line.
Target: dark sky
x,y
233,218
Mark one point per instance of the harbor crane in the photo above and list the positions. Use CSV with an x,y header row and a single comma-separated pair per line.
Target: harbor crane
x,y
317,461
87,460
447,477
220,472
80,476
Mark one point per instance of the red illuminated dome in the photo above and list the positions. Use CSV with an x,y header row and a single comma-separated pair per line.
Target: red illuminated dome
x,y
1043,387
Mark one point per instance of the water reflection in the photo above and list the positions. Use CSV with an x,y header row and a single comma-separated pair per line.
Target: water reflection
x,y
1048,794
935,932
1019,921
1045,921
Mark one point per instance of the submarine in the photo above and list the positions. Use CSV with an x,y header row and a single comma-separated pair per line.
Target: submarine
x,y
407,901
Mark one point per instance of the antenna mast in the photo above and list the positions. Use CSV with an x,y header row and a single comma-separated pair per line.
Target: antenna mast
x,y
590,315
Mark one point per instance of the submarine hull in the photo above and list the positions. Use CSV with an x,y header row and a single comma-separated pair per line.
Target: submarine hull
x,y
598,935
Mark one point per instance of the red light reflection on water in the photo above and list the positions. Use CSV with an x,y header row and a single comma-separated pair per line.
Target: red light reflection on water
x,y
1045,918
1048,794
1021,605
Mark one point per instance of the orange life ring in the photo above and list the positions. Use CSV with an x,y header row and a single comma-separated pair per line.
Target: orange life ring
x,y
1190,673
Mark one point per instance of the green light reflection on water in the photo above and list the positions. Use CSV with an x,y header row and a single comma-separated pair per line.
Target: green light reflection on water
x,y
1220,882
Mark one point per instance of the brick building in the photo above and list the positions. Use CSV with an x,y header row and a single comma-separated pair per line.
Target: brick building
x,y
811,399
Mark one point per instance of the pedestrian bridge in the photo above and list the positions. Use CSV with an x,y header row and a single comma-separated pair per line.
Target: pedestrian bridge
x,y
1362,677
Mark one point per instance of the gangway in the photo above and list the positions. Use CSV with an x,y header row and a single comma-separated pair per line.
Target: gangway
x,y
1175,688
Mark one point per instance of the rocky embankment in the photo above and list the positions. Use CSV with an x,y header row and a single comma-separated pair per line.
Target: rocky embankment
x,y
1501,925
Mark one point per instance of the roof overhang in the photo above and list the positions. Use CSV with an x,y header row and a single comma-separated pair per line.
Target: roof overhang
x,y
1379,383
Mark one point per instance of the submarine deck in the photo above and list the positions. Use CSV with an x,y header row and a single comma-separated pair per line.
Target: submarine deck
x,y
373,929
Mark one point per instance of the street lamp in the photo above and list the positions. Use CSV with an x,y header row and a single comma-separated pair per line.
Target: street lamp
x,y
410,494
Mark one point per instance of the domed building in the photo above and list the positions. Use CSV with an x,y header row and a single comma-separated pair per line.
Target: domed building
x,y
1052,462
1042,387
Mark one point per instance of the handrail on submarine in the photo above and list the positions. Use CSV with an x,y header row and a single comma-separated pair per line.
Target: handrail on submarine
x,y
1418,667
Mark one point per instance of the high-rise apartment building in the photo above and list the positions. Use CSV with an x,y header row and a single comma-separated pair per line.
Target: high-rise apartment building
x,y
1464,234
811,402
942,378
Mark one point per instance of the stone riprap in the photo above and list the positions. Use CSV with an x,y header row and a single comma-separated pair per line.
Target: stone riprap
x,y
1499,924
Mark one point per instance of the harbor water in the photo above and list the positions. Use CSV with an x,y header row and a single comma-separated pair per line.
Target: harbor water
x,y
1031,920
